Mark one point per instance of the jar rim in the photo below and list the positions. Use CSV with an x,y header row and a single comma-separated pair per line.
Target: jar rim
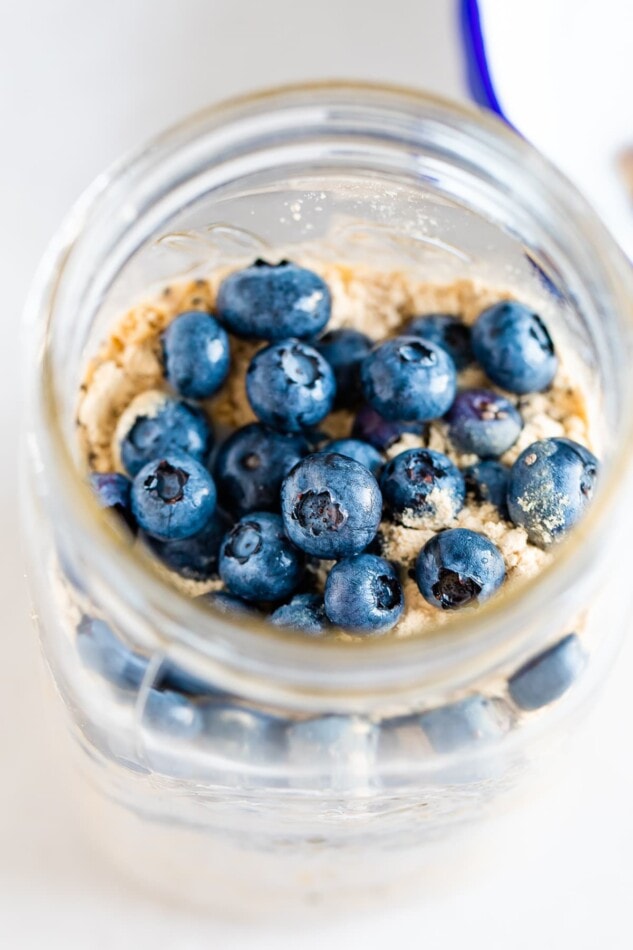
x,y
199,636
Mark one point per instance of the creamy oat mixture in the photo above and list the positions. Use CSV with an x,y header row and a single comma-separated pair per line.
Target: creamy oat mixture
x,y
378,304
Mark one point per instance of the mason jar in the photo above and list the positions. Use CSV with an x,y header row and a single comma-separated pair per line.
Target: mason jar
x,y
220,757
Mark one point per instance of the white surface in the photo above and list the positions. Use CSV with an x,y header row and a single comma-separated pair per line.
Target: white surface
x,y
80,83
563,72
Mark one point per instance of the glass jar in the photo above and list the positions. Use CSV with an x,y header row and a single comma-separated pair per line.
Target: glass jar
x,y
226,759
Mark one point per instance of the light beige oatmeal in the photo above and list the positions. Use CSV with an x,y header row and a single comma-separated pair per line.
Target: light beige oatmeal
x,y
128,367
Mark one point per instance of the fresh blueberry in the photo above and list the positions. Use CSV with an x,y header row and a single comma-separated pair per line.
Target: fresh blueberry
x,y
196,354
363,594
156,425
331,505
195,558
102,651
514,347
174,678
113,492
304,612
290,386
370,426
251,465
458,567
340,749
550,486
409,378
242,736
274,301
547,676
173,498
345,350
422,487
227,603
361,452
172,714
258,562
446,331
483,423
488,481
463,723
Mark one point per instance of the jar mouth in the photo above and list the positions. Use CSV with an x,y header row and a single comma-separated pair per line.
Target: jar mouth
x,y
192,631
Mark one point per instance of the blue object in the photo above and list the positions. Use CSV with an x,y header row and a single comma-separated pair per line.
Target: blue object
x,y
195,558
407,378
172,714
290,386
447,331
173,427
251,465
549,675
363,594
331,505
478,74
483,422
458,568
102,651
196,354
487,481
242,737
422,487
514,347
227,603
305,612
274,301
469,721
113,492
361,452
550,487
345,350
258,562
370,426
173,498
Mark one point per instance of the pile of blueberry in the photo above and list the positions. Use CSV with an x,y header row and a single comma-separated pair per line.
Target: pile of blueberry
x,y
276,498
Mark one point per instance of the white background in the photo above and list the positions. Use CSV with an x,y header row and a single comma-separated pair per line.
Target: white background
x,y
81,82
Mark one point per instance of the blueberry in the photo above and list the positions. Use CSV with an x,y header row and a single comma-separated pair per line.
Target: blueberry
x,y
242,736
408,378
363,594
446,331
290,386
156,425
251,465
457,568
422,487
195,558
514,347
331,505
463,723
547,676
173,498
258,562
345,350
196,354
483,423
172,714
227,603
488,481
340,749
361,452
102,651
113,492
370,426
274,301
304,612
549,488
174,678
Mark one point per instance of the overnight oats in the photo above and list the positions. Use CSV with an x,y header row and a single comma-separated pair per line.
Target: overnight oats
x,y
324,455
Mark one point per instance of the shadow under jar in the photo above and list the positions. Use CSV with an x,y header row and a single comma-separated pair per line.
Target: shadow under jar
x,y
227,760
